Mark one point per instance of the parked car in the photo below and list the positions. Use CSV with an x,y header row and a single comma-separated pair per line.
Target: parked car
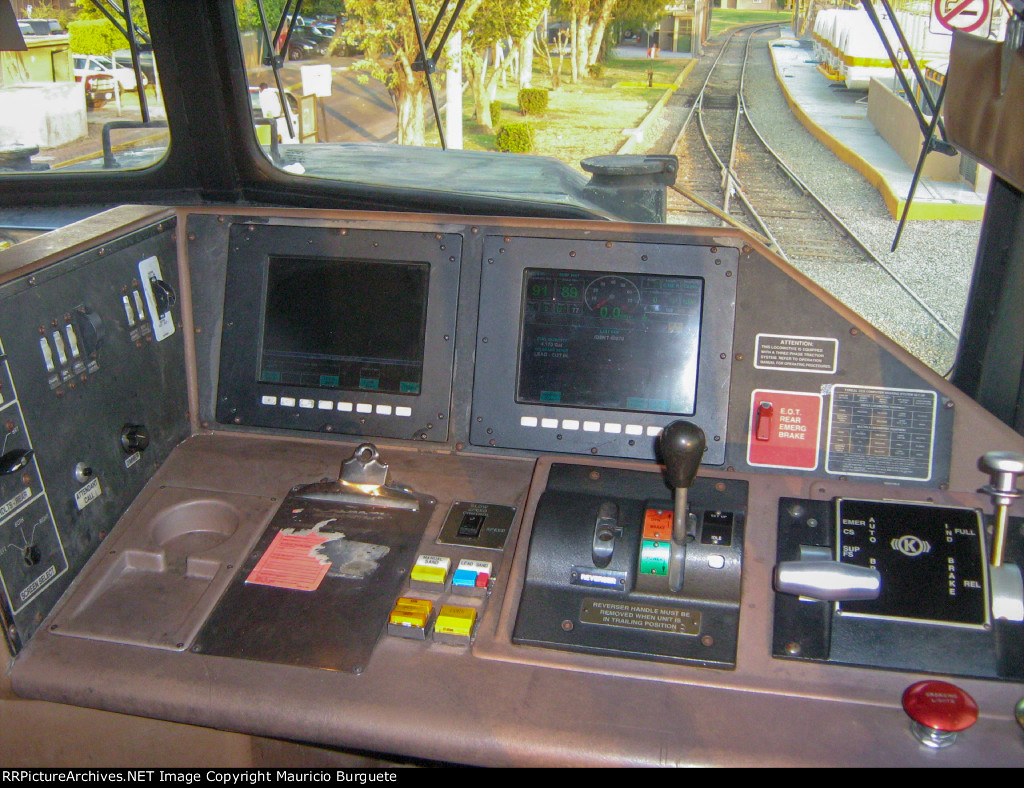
x,y
87,65
99,89
303,45
123,59
41,27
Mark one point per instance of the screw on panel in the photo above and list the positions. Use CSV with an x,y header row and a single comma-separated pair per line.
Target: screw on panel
x,y
793,649
567,625
707,641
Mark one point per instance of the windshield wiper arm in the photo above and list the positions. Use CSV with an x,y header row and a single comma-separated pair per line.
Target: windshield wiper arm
x,y
428,68
129,31
274,64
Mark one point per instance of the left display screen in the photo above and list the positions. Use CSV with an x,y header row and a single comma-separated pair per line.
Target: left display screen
x,y
343,324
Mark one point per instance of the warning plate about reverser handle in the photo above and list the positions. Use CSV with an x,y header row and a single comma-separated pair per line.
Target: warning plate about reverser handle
x,y
654,618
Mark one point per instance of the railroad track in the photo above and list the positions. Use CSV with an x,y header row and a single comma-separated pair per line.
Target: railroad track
x,y
729,174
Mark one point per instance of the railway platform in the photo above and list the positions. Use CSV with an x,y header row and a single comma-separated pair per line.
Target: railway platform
x,y
838,117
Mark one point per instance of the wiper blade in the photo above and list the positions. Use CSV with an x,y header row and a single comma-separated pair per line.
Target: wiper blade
x,y
275,63
428,65
130,30
428,68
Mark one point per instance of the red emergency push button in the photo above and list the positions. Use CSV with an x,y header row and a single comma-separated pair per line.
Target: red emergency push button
x,y
939,711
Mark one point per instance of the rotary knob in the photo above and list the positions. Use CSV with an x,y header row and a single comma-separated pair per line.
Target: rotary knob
x,y
938,711
134,438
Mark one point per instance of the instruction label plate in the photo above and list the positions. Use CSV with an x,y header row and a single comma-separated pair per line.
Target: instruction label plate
x,y
883,433
796,354
653,618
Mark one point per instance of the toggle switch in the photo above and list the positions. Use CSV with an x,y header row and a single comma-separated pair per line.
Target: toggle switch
x,y
763,421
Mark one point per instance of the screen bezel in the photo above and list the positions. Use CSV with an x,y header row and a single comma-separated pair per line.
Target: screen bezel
x,y
497,415
240,399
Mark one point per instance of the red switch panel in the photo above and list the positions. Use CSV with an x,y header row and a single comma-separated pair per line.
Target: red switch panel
x,y
785,429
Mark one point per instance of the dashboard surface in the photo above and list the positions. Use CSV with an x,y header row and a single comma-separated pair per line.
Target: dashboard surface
x,y
455,427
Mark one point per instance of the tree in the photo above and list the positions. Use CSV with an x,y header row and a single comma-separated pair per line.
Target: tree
x,y
93,34
493,24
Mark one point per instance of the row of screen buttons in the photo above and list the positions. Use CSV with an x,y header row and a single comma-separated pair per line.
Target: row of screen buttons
x,y
345,407
589,426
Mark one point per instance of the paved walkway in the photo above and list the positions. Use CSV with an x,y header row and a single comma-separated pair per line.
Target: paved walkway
x,y
839,118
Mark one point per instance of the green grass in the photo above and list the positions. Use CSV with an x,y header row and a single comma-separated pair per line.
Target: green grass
x,y
583,119
724,18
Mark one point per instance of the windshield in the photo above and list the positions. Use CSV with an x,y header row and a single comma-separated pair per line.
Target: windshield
x,y
763,119
518,100
74,100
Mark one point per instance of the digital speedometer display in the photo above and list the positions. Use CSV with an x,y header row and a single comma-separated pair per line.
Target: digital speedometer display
x,y
610,341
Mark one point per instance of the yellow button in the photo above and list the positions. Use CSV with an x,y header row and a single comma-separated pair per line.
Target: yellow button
x,y
410,612
453,620
431,569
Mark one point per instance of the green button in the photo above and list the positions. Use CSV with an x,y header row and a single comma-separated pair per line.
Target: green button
x,y
654,557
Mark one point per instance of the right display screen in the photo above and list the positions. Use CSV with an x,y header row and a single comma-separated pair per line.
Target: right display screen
x,y
610,341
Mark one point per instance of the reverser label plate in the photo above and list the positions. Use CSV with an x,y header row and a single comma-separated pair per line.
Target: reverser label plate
x,y
653,618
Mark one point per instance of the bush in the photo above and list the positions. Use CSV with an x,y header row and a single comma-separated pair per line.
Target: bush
x,y
95,37
495,112
515,138
533,101
596,70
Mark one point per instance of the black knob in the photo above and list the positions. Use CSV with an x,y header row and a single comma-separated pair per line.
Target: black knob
x,y
163,294
682,448
134,437
14,460
90,329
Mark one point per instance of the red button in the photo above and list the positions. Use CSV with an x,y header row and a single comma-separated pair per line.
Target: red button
x,y
940,706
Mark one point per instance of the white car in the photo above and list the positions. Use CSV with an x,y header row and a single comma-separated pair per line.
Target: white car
x,y
90,65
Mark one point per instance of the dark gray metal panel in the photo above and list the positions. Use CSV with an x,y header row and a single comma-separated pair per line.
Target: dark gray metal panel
x,y
770,301
75,413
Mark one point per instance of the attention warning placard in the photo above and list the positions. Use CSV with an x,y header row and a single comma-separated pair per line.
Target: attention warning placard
x,y
796,354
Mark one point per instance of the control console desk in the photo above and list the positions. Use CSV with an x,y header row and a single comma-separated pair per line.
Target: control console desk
x,y
497,492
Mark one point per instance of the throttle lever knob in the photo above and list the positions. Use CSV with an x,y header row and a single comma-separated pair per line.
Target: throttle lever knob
x,y
682,448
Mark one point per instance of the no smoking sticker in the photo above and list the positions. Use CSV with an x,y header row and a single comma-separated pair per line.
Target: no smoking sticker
x,y
964,15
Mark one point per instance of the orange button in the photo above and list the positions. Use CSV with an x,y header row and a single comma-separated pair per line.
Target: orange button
x,y
658,525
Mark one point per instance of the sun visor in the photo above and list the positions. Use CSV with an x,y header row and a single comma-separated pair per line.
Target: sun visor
x,y
985,103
